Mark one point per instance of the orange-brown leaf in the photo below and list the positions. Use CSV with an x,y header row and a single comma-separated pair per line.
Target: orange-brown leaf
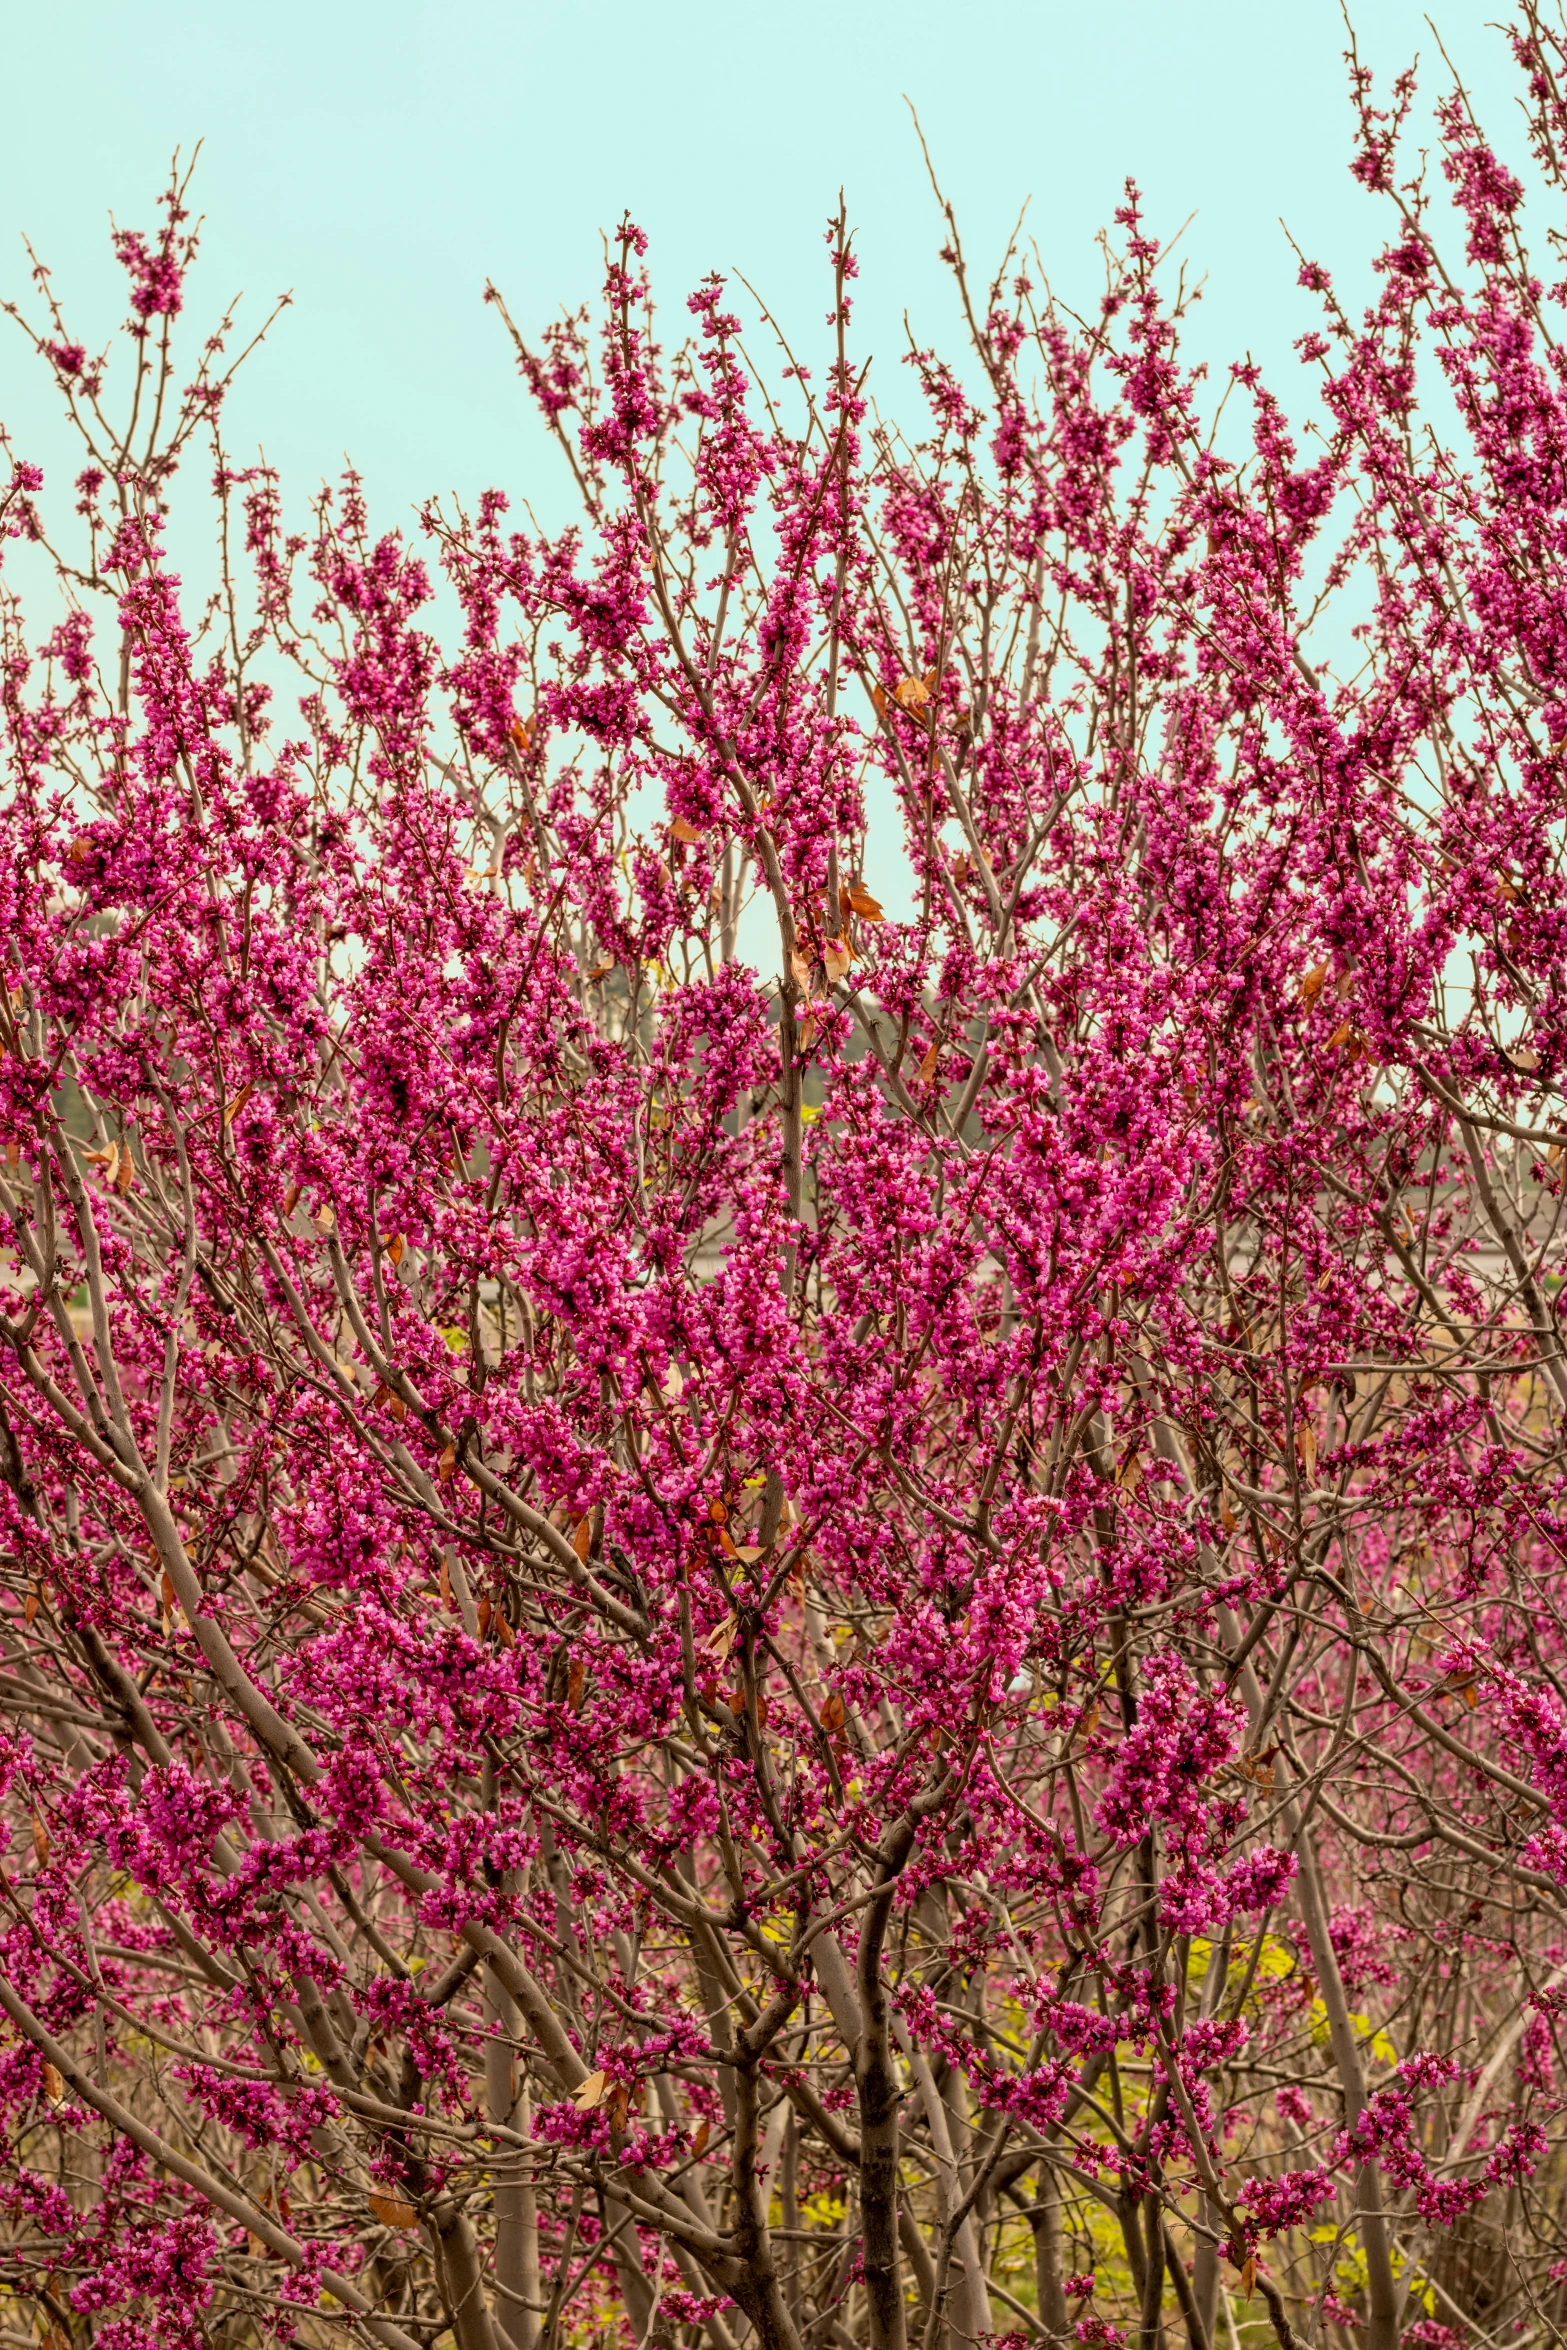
x,y
686,832
911,693
862,903
592,2093
237,1104
1315,981
576,1685
833,1716
54,2082
836,959
393,2211
704,2131
582,1538
40,1838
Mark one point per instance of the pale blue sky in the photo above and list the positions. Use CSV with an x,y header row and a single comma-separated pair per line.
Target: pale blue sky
x,y
383,160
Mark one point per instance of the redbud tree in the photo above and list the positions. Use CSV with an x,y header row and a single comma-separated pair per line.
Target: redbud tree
x,y
728,1620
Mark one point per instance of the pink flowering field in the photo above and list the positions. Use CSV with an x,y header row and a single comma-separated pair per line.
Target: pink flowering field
x,y
782,1393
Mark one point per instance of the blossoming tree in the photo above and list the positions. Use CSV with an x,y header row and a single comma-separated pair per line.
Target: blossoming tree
x,y
729,1620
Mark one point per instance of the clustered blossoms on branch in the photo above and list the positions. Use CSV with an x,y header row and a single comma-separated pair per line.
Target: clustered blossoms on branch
x,y
726,1620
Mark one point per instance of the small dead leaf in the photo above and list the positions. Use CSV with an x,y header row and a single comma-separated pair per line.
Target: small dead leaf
x,y
911,693
291,1199
592,2093
1306,1446
521,734
836,959
704,2131
167,1599
54,2082
111,1164
685,832
393,2211
1341,1035
833,1716
927,1068
1129,1475
576,1684
40,1838
446,1583
1248,2278
717,1643
326,1221
1315,981
879,699
393,1246
1524,1056
582,1538
502,1629
233,1109
800,969
446,1466
486,1612
125,1173
30,1604
862,903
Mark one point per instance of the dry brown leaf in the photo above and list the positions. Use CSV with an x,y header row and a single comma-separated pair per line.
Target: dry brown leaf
x,y
1341,1035
686,832
291,1199
1315,981
522,734
927,1068
862,903
582,1538
40,1838
911,693
836,959
393,2211
833,1716
592,2093
446,1583
704,2131
326,1221
446,1466
1524,1056
1306,1446
717,1643
879,699
800,969
31,1604
54,2082
576,1685
1248,2278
